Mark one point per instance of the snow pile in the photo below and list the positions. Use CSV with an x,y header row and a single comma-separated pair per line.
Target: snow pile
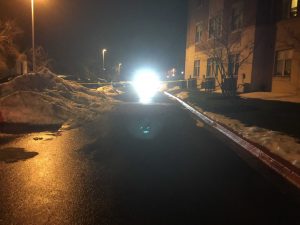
x,y
183,95
109,90
164,86
285,146
44,99
284,97
280,144
176,88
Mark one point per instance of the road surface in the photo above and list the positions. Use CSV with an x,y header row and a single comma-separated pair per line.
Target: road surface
x,y
139,164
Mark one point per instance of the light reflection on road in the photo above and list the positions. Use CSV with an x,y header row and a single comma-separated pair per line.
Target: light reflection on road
x,y
45,186
181,176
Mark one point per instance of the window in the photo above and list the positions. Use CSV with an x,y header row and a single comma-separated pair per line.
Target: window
x,y
212,68
200,3
197,68
233,65
283,64
199,32
215,27
294,8
290,8
237,17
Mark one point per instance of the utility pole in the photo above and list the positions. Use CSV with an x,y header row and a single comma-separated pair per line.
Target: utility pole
x,y
103,58
33,37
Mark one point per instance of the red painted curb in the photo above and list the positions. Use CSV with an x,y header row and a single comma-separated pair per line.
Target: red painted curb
x,y
286,170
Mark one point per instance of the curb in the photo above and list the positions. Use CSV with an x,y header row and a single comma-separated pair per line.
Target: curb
x,y
271,162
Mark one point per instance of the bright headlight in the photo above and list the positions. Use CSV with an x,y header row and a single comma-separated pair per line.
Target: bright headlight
x,y
147,84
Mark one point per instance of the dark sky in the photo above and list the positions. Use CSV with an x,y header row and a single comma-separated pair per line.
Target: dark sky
x,y
137,33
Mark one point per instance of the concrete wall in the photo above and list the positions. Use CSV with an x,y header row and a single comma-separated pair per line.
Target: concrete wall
x,y
263,58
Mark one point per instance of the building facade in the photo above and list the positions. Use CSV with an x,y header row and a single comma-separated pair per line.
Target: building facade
x,y
253,42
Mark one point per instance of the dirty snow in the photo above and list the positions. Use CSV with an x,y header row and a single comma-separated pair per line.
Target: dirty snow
x,y
176,88
284,97
109,90
43,99
278,143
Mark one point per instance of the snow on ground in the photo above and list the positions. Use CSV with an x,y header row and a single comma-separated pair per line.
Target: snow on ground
x,y
43,99
176,88
109,90
284,97
281,144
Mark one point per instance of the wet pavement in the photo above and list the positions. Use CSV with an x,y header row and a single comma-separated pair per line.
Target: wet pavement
x,y
139,164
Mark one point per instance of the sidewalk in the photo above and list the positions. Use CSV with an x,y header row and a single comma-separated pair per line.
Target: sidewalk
x,y
268,119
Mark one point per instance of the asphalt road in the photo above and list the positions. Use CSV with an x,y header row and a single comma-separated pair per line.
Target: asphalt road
x,y
139,164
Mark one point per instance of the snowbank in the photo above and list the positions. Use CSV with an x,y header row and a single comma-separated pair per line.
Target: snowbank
x,y
281,144
284,97
44,99
176,88
109,90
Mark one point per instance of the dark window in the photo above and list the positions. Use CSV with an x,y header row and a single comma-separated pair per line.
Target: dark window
x,y
233,65
200,3
283,63
212,68
199,32
215,27
237,17
197,68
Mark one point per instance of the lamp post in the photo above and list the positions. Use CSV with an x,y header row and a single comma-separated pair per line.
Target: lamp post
x,y
33,36
119,71
103,58
119,68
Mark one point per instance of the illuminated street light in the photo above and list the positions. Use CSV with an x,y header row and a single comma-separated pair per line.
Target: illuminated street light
x,y
103,58
119,68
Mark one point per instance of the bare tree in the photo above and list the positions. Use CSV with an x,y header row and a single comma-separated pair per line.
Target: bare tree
x,y
227,53
43,62
8,49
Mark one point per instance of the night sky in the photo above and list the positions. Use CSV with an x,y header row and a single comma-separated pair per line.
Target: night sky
x,y
137,33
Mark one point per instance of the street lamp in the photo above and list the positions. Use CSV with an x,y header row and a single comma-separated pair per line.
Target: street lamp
x,y
33,36
103,58
119,69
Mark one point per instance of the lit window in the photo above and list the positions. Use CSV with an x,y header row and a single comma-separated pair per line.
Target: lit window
x,y
283,64
197,68
290,8
294,8
199,32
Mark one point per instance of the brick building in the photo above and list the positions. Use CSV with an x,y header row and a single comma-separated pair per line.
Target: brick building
x,y
255,42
